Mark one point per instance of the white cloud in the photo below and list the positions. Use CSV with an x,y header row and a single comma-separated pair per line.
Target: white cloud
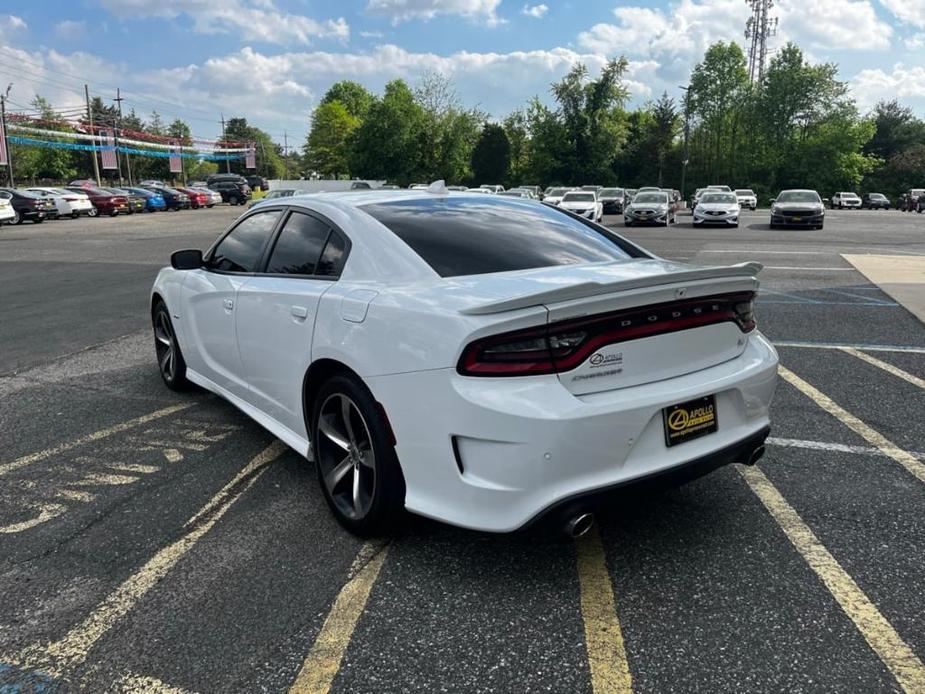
x,y
914,42
403,10
833,24
70,29
371,34
902,82
910,11
15,22
536,11
255,21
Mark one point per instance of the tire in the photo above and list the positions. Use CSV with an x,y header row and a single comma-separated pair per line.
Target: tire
x,y
114,213
233,200
358,470
38,220
75,215
170,362
93,212
17,218
627,224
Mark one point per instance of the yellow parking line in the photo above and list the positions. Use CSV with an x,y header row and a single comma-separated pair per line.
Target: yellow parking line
x,y
889,368
610,671
895,653
324,659
90,438
887,447
71,650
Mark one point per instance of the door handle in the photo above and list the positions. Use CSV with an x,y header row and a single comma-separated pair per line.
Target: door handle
x,y
299,312
228,304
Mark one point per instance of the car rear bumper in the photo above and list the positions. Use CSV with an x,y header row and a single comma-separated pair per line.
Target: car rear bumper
x,y
497,453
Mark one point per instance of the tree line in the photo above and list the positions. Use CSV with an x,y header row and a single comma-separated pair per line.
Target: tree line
x,y
798,127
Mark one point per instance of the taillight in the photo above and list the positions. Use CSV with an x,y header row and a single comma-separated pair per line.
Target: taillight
x,y
565,345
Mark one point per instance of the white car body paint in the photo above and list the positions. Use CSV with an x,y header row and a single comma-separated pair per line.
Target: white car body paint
x,y
67,202
524,442
6,210
717,213
589,209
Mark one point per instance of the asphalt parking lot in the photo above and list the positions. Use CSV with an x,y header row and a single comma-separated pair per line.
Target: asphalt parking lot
x,y
163,543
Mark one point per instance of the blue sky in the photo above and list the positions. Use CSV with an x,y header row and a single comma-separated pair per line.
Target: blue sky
x,y
271,60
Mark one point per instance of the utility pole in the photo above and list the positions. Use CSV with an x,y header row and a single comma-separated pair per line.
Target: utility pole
x,y
286,153
225,145
96,164
687,132
128,161
6,142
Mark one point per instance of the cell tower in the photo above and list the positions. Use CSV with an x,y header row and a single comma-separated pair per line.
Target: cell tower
x,y
758,29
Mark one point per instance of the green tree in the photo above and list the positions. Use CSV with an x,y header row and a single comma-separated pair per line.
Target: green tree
x,y
326,146
449,131
387,145
268,153
589,110
516,129
664,129
491,155
353,95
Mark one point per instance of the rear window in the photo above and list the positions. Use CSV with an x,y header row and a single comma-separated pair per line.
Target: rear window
x,y
473,236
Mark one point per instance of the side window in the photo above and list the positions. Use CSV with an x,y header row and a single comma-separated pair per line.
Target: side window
x,y
299,245
240,250
332,260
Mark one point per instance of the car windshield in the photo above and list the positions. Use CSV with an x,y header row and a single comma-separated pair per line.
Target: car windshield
x,y
650,198
557,192
578,197
849,195
877,196
745,191
473,236
799,196
719,198
725,189
611,192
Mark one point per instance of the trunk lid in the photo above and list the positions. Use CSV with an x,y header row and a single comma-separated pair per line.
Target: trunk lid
x,y
635,322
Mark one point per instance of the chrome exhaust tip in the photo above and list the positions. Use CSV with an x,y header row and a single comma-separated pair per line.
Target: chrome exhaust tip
x,y
579,525
755,456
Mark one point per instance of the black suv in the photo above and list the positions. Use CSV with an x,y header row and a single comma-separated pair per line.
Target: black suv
x,y
233,192
256,182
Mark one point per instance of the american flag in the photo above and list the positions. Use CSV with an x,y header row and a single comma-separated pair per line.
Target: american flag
x,y
108,151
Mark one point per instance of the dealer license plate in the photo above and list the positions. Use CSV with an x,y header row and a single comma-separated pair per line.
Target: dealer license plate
x,y
690,420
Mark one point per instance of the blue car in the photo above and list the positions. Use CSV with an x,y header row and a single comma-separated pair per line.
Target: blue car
x,y
153,201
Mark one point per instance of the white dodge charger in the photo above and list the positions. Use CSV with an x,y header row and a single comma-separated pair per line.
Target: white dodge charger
x,y
476,359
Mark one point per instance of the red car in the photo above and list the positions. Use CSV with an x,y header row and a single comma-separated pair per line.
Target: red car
x,y
197,198
103,201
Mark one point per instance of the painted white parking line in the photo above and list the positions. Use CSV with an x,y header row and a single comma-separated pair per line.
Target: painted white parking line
x,y
890,449
833,447
6,468
889,368
899,658
72,649
909,349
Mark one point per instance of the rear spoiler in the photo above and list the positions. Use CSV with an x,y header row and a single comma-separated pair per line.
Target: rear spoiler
x,y
587,289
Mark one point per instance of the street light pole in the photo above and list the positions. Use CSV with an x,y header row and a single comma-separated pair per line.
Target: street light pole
x,y
687,131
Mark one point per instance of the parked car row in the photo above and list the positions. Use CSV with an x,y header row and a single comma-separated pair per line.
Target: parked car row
x,y
86,198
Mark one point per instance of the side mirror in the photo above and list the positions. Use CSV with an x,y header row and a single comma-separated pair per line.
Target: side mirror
x,y
773,199
190,259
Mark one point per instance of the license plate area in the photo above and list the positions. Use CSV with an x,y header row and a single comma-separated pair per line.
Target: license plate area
x,y
690,420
